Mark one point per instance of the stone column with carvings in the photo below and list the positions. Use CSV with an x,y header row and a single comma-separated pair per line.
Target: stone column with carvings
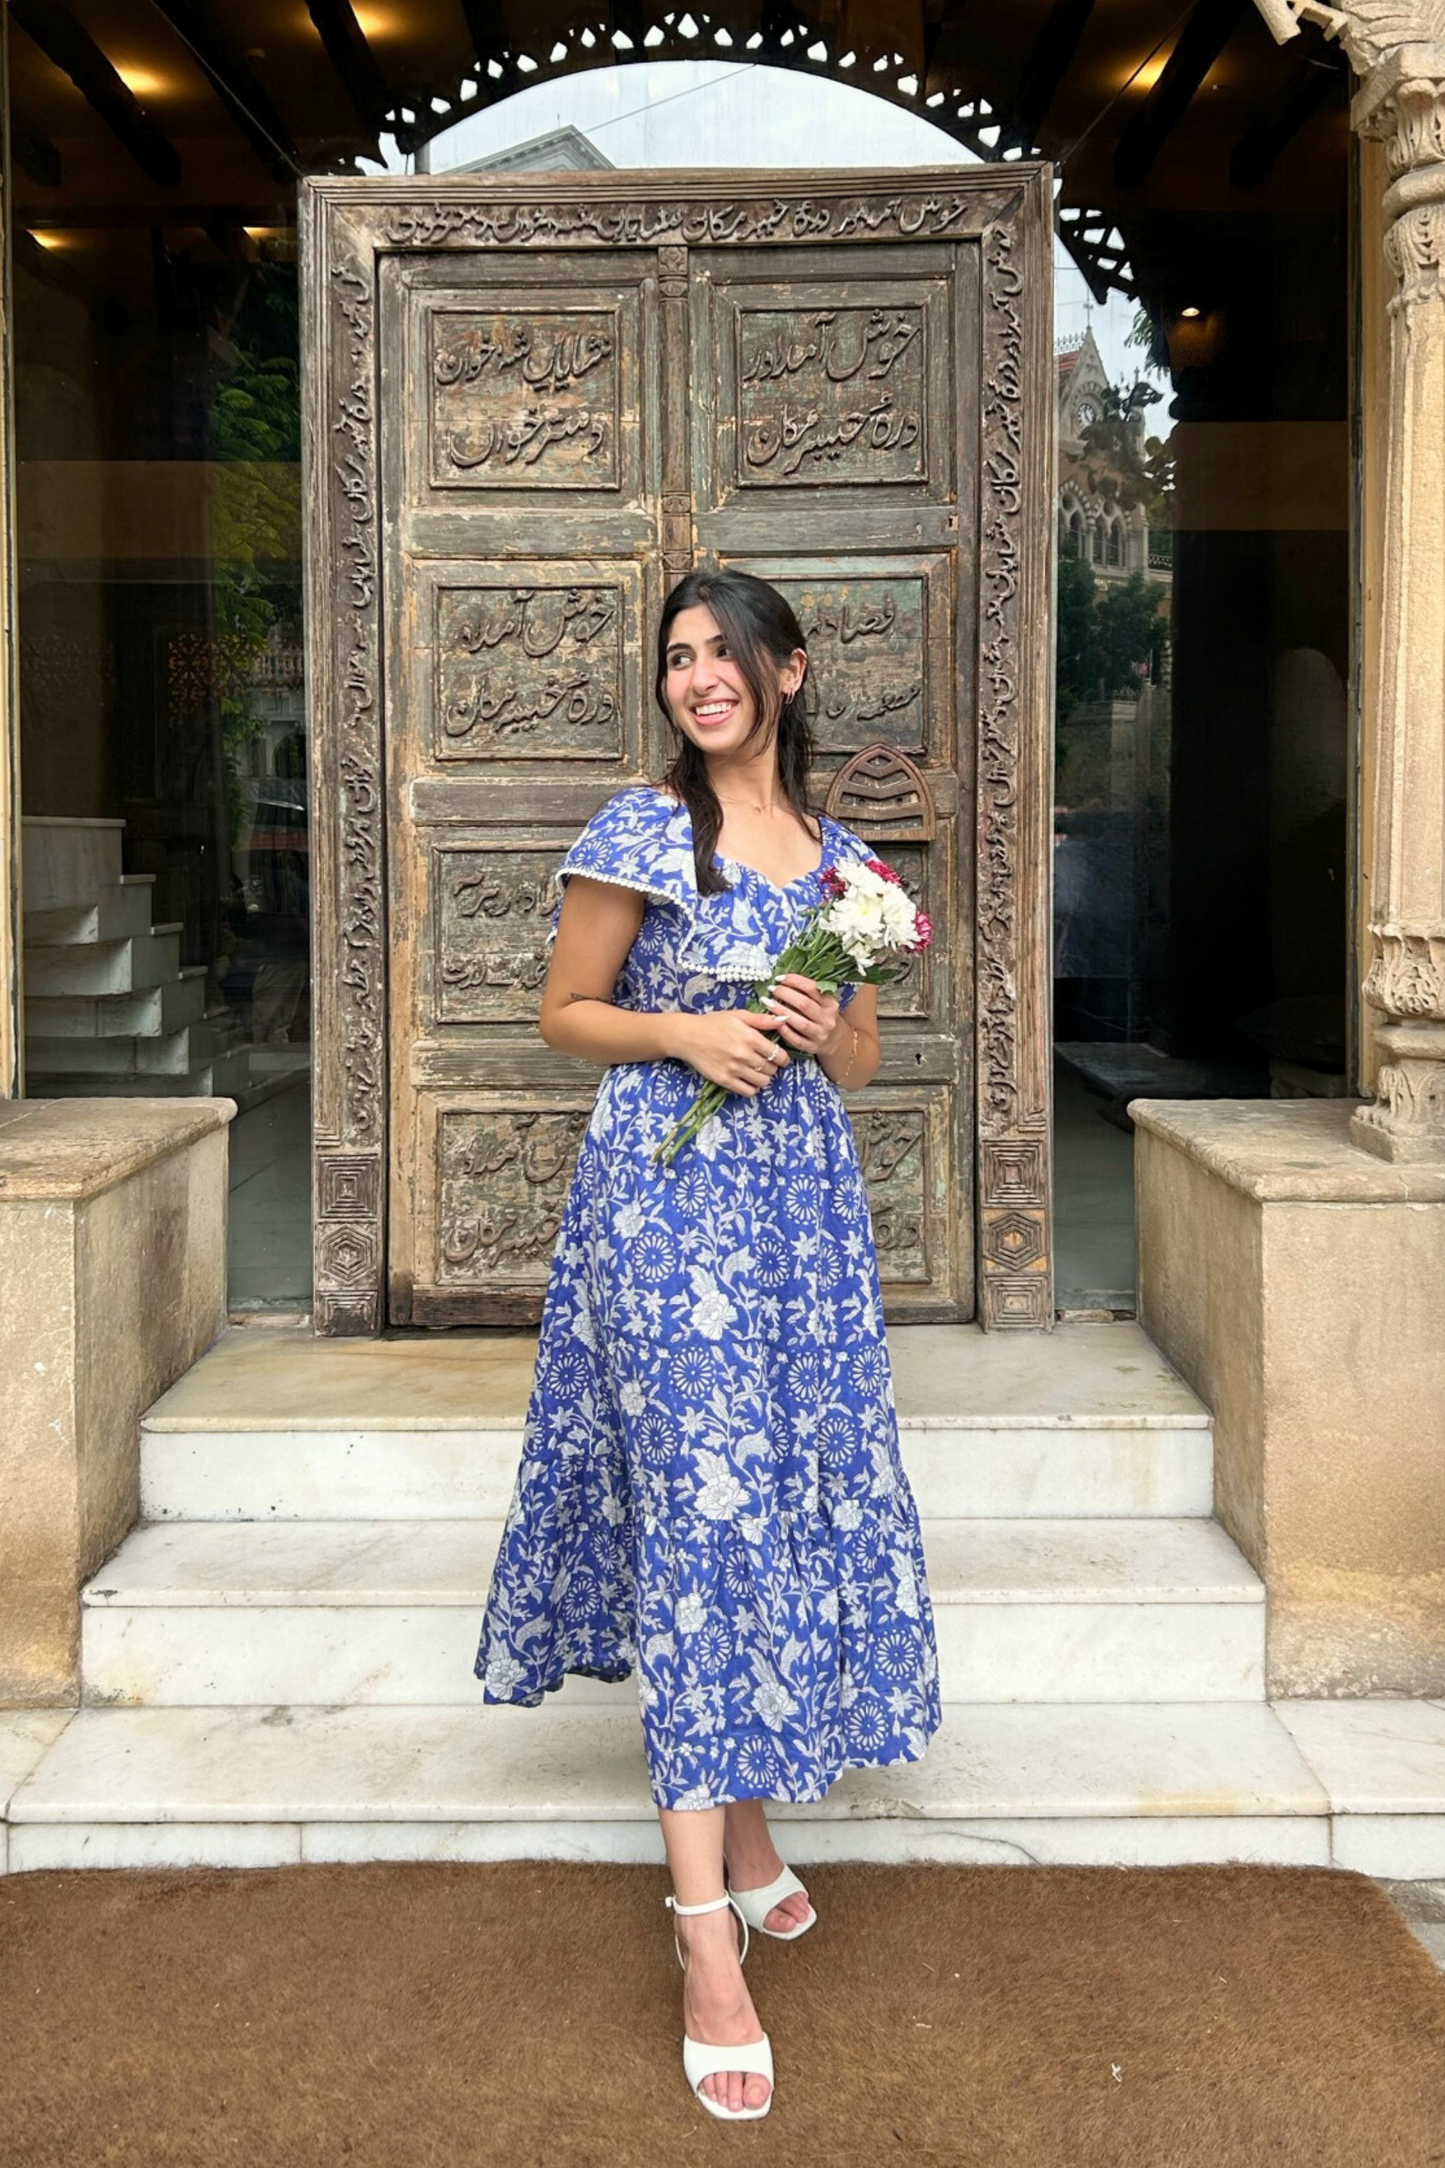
x,y
1403,103
1398,48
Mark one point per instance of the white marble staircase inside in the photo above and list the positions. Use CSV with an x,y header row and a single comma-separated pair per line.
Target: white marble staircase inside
x,y
277,1661
109,1006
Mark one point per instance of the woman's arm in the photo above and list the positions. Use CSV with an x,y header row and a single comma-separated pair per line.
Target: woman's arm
x,y
596,928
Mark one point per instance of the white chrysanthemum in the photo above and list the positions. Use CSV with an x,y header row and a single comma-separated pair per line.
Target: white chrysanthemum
x,y
772,1702
712,1313
719,1493
871,916
503,1673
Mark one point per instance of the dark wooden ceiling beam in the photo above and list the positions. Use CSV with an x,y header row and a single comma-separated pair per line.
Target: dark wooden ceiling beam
x,y
1045,70
1200,43
240,93
487,28
353,60
1281,120
34,152
73,50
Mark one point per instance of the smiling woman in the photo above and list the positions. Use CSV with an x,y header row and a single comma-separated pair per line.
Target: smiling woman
x,y
710,1488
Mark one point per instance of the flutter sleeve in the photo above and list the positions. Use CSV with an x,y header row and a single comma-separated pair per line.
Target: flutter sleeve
x,y
628,842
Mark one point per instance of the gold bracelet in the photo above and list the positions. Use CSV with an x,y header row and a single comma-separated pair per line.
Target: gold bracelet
x,y
852,1057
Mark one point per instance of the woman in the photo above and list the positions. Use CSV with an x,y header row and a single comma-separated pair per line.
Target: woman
x,y
710,1487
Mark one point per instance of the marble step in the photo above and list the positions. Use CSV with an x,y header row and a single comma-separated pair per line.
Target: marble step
x,y
174,1054
1086,1422
106,967
113,913
226,1613
66,859
362,1471
91,1025
1109,1785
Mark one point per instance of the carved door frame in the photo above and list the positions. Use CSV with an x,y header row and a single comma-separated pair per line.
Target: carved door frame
x,y
347,226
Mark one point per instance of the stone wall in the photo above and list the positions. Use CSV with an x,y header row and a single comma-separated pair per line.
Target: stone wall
x,y
1298,1284
112,1282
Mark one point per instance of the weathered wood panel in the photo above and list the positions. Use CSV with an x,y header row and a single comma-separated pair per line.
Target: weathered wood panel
x,y
844,385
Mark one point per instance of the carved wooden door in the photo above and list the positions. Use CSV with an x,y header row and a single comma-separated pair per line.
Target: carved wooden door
x,y
575,404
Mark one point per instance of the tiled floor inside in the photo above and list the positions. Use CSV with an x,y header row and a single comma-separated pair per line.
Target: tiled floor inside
x,y
269,1245
270,1228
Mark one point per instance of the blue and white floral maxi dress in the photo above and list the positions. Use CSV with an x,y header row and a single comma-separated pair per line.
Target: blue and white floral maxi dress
x,y
710,1488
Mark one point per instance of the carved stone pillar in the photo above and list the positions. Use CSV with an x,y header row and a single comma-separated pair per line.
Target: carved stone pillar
x,y
1398,48
1403,104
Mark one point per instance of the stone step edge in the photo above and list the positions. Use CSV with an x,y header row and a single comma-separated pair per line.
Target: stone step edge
x,y
230,1427
108,1594
1270,1775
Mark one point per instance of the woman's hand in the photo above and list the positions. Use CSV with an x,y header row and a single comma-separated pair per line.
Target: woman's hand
x,y
808,1019
736,1048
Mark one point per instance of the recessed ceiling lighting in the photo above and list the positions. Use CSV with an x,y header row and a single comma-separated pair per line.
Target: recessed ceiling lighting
x,y
1191,311
141,82
1147,75
377,22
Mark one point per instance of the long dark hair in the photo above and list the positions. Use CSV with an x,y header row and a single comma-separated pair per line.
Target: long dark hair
x,y
762,631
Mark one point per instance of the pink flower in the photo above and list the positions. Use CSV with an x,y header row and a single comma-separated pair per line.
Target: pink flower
x,y
924,934
833,882
884,873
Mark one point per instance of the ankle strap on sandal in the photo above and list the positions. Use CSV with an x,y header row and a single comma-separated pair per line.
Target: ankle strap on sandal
x,y
714,1904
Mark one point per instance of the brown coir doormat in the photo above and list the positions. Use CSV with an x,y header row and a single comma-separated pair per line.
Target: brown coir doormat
x,y
439,2016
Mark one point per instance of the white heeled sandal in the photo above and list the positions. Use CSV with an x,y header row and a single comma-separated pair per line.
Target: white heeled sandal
x,y
754,1905
700,2060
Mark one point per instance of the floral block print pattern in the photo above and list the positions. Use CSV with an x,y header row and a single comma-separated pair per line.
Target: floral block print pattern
x,y
710,1490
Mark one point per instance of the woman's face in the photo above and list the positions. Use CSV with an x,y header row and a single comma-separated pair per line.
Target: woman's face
x,y
706,691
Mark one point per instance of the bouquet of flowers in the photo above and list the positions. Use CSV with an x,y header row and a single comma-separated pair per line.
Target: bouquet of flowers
x,y
865,919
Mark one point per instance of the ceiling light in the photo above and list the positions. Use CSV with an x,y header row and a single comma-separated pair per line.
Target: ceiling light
x,y
1191,311
1148,74
48,240
140,81
375,22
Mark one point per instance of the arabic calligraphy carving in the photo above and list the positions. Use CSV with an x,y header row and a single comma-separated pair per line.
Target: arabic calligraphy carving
x,y
532,673
527,398
866,641
504,1176
491,913
891,1153
844,343
540,354
830,395
645,224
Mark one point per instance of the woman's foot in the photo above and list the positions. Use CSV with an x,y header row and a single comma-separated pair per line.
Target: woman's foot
x,y
716,2005
752,1862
